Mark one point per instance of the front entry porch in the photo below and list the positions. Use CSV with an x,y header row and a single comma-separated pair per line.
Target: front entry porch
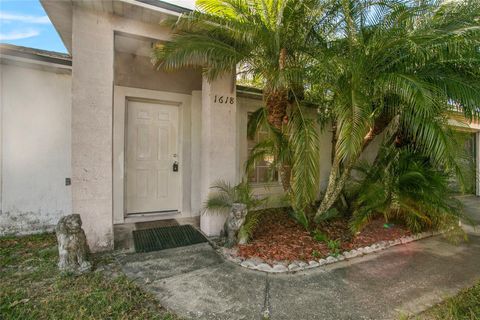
x,y
146,149
166,144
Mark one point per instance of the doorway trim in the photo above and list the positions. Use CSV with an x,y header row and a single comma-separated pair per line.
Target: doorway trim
x,y
121,97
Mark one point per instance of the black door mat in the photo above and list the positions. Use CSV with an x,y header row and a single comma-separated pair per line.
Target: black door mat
x,y
166,238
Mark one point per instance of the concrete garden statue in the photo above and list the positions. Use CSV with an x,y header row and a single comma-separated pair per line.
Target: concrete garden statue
x,y
236,202
72,245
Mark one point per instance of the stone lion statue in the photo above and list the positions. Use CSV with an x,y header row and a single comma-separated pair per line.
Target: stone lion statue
x,y
235,220
72,245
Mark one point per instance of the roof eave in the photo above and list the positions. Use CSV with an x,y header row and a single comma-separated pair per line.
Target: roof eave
x,y
61,13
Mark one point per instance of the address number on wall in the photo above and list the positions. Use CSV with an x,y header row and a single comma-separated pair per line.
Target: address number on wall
x,y
224,99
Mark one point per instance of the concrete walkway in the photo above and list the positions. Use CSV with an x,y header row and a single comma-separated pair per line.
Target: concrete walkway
x,y
194,282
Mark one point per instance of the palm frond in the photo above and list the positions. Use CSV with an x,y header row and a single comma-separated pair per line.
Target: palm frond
x,y
303,138
224,195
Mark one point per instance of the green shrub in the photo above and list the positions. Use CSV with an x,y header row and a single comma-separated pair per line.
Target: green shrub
x,y
334,246
300,217
320,236
405,186
224,195
251,222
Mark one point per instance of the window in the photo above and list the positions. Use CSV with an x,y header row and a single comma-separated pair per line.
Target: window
x,y
262,171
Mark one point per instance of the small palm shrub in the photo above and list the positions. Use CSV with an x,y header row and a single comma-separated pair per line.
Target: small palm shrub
x,y
334,246
404,185
224,195
251,222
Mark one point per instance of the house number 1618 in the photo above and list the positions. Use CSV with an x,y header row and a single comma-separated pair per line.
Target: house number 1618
x,y
224,99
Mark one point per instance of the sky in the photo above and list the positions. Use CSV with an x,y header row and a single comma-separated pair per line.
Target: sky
x,y
25,23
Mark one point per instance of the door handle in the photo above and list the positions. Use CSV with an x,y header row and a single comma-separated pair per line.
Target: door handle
x,y
175,166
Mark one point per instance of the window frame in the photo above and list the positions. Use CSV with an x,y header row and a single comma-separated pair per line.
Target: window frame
x,y
275,181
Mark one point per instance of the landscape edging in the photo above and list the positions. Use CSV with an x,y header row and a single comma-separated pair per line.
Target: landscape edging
x,y
281,267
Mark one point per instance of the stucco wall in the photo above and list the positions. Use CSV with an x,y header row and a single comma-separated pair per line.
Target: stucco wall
x,y
92,94
138,72
219,143
35,148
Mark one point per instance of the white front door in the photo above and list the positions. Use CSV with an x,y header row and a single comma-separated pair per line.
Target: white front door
x,y
152,183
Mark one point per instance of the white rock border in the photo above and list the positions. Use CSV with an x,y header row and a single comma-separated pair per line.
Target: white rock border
x,y
283,267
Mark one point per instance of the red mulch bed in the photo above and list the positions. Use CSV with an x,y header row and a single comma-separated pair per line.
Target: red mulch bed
x,y
279,238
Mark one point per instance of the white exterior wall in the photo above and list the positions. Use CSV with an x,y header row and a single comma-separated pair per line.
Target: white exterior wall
x,y
219,144
196,141
136,71
35,148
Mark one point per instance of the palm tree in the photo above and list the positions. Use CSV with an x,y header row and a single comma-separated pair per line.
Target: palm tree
x,y
265,40
374,66
397,67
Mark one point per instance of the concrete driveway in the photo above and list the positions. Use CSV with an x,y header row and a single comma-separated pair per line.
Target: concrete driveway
x,y
195,283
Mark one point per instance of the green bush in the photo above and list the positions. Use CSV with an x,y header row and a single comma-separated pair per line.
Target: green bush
x,y
224,195
320,236
334,246
404,185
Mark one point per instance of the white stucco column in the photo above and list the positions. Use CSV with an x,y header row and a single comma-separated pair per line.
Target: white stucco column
x,y
195,152
92,91
218,142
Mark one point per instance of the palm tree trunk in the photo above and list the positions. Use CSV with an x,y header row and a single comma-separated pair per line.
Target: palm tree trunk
x,y
334,140
277,103
336,183
285,173
333,191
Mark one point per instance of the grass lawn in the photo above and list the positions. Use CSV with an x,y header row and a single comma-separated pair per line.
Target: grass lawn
x,y
464,306
32,288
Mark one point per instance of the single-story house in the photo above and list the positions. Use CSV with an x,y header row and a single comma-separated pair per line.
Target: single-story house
x,y
101,133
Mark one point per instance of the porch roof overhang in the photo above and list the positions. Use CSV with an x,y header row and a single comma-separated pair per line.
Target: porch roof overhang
x,y
148,11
